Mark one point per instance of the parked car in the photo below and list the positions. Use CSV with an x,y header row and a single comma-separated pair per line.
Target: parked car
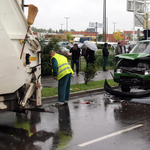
x,y
133,69
63,43
64,49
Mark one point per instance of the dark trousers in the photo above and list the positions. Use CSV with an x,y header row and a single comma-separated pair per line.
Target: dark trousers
x,y
64,88
77,65
105,62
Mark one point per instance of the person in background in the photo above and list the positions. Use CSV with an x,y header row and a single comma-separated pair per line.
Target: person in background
x,y
117,51
61,72
75,50
84,53
89,56
122,47
105,56
129,49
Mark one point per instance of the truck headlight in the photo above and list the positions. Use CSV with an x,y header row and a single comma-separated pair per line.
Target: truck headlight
x,y
119,71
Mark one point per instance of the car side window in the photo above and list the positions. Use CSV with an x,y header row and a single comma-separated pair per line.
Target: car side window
x,y
142,47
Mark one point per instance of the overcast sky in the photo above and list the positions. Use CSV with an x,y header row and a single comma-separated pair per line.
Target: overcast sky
x,y
80,12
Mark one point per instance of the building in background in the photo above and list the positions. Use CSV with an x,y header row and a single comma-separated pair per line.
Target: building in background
x,y
127,35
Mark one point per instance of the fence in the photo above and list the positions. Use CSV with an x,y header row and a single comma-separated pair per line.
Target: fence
x,y
98,60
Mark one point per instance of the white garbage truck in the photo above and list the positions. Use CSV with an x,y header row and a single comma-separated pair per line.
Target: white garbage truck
x,y
20,58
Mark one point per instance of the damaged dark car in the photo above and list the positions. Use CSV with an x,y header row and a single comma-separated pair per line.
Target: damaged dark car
x,y
133,69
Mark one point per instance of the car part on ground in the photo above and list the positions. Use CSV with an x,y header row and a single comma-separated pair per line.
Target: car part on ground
x,y
118,93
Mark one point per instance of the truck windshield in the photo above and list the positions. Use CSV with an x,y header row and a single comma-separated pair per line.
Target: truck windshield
x,y
141,47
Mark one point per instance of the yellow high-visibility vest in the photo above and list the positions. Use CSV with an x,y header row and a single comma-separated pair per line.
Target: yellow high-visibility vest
x,y
63,66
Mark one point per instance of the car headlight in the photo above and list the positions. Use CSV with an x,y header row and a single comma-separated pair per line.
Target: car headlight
x,y
147,72
119,71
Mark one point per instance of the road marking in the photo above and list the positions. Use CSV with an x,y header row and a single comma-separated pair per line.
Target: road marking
x,y
110,135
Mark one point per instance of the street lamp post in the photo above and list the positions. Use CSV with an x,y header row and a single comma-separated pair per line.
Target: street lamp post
x,y
67,23
61,25
114,26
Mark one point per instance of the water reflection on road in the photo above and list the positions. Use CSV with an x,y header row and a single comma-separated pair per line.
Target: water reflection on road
x,y
84,119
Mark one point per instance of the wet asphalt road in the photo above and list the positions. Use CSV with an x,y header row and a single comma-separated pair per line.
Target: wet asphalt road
x,y
103,124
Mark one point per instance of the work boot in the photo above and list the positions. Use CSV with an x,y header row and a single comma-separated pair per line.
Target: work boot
x,y
57,104
66,103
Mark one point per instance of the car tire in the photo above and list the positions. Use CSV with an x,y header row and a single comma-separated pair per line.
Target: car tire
x,y
125,88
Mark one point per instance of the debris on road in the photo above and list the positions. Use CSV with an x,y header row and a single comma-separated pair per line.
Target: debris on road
x,y
87,102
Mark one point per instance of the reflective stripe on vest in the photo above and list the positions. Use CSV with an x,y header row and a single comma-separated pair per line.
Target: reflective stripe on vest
x,y
63,65
62,70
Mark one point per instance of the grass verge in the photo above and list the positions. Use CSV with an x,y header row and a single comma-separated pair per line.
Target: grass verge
x,y
47,92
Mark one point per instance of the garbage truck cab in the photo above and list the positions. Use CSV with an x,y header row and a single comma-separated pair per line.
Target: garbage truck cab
x,y
20,58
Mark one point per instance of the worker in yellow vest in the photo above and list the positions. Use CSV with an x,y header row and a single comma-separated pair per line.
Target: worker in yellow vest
x,y
61,72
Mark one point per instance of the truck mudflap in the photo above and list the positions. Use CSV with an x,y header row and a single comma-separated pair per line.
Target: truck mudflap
x,y
138,94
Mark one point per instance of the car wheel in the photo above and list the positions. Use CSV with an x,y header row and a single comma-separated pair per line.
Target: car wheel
x,y
125,88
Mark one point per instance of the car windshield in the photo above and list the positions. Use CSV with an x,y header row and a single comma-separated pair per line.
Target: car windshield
x,y
141,47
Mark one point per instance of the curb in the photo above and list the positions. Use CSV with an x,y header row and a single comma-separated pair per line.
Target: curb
x,y
77,93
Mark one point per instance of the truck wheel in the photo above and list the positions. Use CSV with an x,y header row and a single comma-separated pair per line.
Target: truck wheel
x,y
125,88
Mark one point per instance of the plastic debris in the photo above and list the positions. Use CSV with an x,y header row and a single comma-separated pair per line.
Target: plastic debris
x,y
86,102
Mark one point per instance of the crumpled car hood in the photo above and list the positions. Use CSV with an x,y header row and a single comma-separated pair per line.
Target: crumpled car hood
x,y
133,56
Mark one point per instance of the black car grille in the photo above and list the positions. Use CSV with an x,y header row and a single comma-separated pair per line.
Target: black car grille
x,y
131,80
133,70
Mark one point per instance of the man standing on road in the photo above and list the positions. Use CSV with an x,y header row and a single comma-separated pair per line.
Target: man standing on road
x,y
75,50
61,72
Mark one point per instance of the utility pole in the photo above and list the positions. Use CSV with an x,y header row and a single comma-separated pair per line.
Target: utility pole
x,y
61,26
114,26
147,16
106,28
96,33
134,22
104,21
67,23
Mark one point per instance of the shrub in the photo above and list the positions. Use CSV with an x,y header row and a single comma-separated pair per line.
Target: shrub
x,y
99,46
45,59
89,72
99,60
